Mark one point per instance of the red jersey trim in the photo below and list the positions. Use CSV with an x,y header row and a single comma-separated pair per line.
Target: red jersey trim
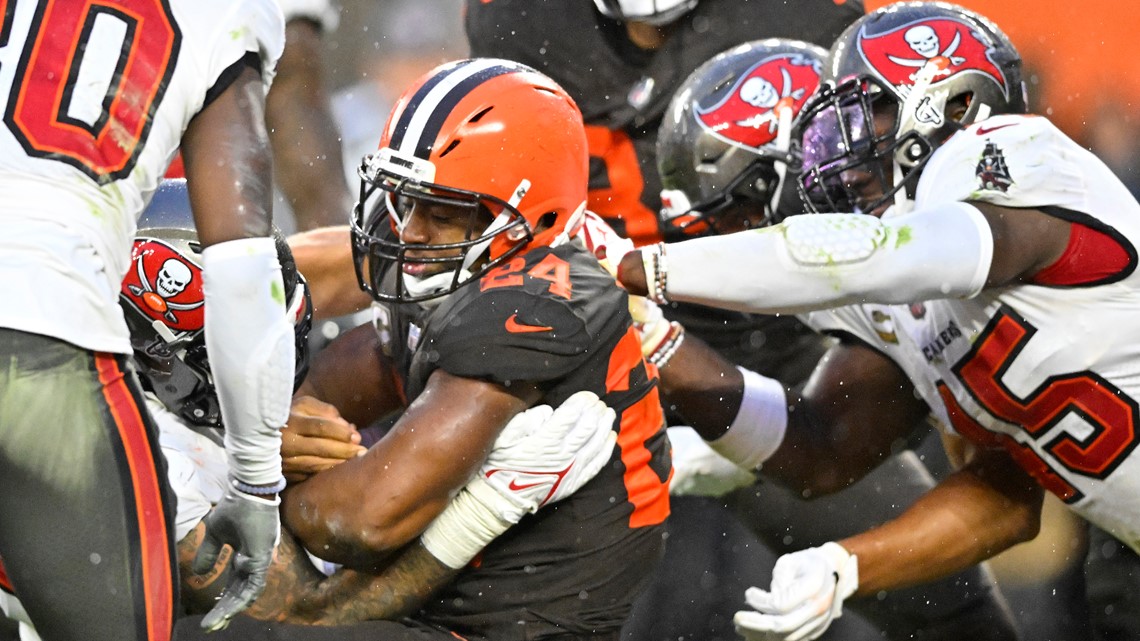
x,y
1091,257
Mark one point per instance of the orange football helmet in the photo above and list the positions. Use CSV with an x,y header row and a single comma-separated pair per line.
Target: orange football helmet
x,y
492,136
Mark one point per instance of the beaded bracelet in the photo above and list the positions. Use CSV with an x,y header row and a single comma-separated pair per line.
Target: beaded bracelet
x,y
665,351
656,272
259,490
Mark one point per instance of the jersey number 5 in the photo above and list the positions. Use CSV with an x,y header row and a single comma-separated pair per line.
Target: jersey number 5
x,y
1109,416
86,87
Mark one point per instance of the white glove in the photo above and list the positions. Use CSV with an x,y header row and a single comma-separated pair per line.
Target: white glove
x,y
603,242
698,470
807,593
252,527
544,455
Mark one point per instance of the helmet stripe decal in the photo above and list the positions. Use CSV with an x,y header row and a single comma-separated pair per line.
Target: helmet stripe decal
x,y
426,112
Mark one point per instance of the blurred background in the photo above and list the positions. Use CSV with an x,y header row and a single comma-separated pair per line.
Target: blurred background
x,y
1078,59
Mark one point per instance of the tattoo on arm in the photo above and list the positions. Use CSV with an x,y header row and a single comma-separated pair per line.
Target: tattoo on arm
x,y
296,593
396,591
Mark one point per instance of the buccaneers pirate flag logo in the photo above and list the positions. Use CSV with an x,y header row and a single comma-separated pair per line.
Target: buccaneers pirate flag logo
x,y
898,55
749,113
165,286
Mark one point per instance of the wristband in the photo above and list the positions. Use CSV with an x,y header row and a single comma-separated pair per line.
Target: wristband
x,y
464,527
760,424
259,490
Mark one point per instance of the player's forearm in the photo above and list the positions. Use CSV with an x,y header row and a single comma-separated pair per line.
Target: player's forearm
x,y
324,256
972,515
398,590
824,260
703,387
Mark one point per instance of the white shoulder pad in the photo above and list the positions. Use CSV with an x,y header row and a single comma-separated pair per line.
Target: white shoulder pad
x,y
1008,160
321,12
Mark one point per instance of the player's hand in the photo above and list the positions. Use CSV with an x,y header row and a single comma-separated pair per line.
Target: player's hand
x,y
698,470
543,456
603,242
806,595
315,439
251,526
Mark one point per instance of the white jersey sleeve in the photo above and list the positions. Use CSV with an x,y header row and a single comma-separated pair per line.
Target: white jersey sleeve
x,y
321,12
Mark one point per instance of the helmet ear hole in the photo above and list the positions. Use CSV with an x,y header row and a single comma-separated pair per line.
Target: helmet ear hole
x,y
546,221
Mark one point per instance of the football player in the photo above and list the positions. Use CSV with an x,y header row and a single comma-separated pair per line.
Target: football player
x,y
987,275
172,360
100,96
463,234
623,61
723,153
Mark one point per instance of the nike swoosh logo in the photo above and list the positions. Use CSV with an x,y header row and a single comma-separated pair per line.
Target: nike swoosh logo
x,y
515,486
515,327
983,130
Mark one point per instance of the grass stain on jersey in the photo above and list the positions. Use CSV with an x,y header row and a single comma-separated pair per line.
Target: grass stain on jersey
x,y
905,235
277,291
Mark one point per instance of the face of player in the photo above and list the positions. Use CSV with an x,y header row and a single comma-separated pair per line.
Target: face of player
x,y
435,224
854,157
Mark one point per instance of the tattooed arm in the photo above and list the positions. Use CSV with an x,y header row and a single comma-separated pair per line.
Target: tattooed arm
x,y
398,590
296,593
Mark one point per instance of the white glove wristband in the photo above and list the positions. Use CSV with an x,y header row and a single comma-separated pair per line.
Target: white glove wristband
x,y
758,429
468,524
251,347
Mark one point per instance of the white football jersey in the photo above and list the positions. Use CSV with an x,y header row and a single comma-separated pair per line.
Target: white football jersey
x,y
1050,373
97,97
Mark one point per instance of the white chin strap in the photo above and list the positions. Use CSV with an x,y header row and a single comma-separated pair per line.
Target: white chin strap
x,y
416,286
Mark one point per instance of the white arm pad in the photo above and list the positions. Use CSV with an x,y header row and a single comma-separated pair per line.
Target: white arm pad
x,y
251,348
758,429
818,261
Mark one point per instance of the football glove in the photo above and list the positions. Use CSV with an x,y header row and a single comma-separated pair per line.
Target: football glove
x,y
251,526
806,595
698,470
544,455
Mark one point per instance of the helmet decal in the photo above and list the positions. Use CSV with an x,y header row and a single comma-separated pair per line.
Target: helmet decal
x,y
165,286
748,115
899,54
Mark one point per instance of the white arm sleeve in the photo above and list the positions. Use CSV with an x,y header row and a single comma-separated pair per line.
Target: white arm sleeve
x,y
816,261
251,347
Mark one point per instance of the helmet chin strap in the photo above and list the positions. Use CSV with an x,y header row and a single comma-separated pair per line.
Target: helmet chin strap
x,y
499,223
908,115
783,143
435,283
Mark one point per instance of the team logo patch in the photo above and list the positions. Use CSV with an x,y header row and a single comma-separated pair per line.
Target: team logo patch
x,y
992,172
899,54
748,115
165,286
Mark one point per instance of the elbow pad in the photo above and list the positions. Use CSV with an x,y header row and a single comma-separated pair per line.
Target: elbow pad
x,y
251,352
818,261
